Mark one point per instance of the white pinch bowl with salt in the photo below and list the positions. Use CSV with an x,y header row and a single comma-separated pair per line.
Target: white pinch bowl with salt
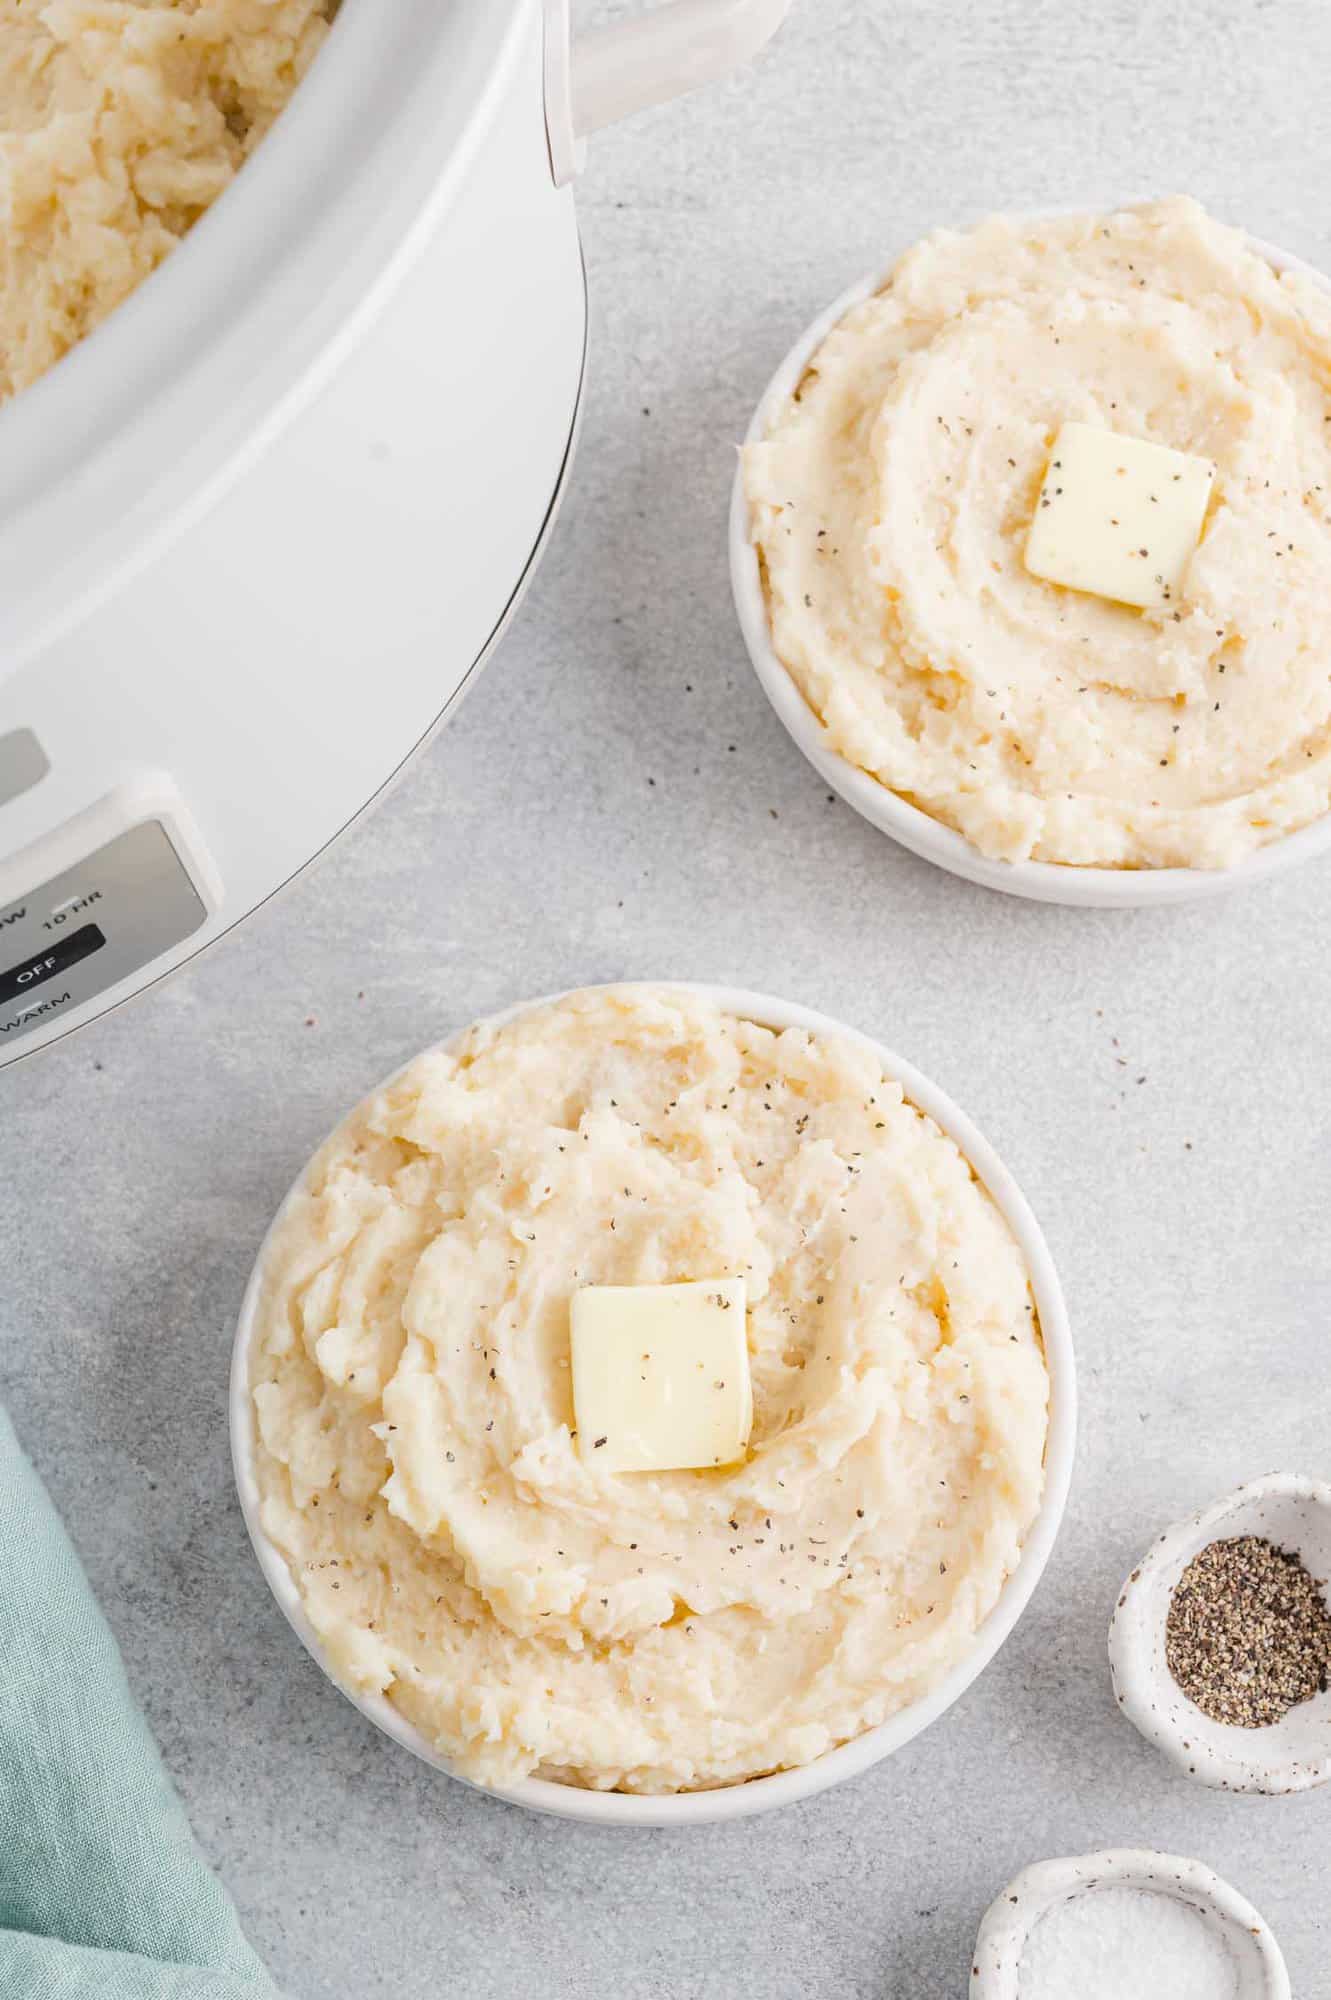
x,y
1079,1890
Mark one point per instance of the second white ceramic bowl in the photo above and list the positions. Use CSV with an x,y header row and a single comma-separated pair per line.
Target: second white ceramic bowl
x,y
1292,1755
1039,881
1006,1930
757,1794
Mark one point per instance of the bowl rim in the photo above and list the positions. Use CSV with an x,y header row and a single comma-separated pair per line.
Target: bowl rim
x,y
1137,1673
1038,881
1011,1917
848,1760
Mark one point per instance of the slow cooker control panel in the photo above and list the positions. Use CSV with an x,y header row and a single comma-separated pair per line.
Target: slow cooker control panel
x,y
95,923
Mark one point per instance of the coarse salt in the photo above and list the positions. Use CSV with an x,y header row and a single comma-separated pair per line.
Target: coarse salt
x,y
1096,1945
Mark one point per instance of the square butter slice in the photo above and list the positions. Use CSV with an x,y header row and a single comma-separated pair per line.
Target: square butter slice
x,y
661,1375
1118,517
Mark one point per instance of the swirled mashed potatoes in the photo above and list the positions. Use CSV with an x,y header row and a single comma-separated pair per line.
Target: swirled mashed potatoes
x,y
892,497
410,1375
121,121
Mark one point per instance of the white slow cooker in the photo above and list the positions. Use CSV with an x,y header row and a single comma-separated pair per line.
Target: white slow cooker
x,y
258,531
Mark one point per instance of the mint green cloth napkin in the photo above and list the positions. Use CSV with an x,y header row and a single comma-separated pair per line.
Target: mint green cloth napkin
x,y
103,1893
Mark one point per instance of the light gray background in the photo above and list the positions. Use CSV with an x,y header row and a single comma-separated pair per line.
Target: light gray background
x,y
1156,1081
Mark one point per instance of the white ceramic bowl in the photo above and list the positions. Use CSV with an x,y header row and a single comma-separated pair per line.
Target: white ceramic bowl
x,y
1010,1919
1287,1756
757,1794
1041,881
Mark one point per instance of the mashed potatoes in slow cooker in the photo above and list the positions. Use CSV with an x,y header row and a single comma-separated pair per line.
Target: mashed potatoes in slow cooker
x,y
120,122
892,497
652,1631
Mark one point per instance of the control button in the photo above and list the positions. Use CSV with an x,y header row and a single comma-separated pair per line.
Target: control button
x,y
95,926
34,1012
72,906
23,762
67,951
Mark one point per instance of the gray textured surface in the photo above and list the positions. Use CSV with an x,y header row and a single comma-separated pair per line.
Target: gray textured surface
x,y
1156,1081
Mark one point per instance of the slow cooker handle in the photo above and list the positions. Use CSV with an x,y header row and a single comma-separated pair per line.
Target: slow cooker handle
x,y
612,72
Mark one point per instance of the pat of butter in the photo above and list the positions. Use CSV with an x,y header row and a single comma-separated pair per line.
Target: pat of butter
x,y
661,1375
1118,517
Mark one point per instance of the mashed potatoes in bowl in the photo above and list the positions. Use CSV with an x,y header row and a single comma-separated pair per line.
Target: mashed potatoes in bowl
x,y
1037,737
653,1646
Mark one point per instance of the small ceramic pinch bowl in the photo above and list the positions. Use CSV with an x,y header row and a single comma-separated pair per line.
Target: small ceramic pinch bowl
x,y
907,824
681,1809
1291,1755
996,1968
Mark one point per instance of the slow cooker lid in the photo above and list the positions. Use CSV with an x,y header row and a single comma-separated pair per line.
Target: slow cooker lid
x,y
128,436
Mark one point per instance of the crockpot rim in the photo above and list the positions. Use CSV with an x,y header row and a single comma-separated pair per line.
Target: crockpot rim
x,y
134,433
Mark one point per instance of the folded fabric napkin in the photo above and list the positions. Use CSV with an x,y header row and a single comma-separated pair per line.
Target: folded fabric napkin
x,y
103,1893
